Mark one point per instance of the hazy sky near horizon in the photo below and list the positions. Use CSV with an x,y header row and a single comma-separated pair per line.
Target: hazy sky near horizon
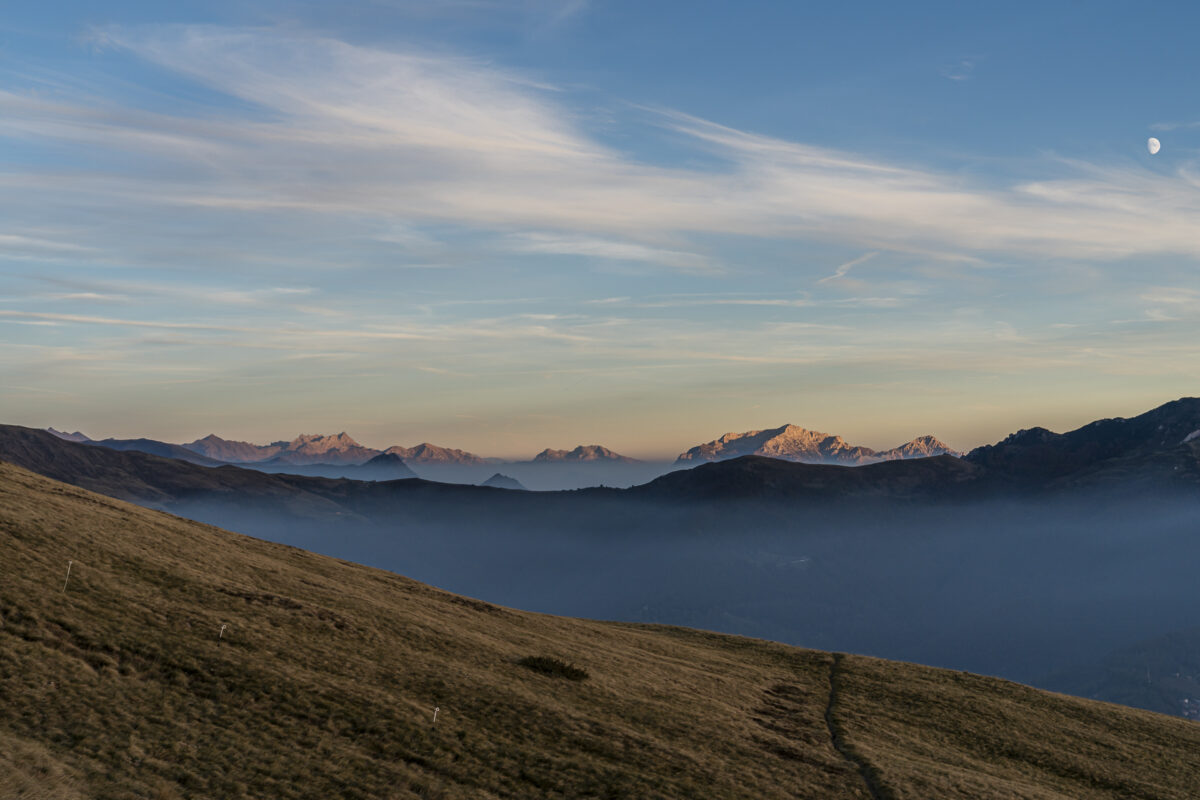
x,y
503,226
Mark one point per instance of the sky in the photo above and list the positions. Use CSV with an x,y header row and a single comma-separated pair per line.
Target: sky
x,y
504,225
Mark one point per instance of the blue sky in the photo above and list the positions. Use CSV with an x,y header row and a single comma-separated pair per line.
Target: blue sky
x,y
503,226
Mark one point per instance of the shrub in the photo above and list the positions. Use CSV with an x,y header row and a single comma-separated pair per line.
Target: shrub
x,y
555,667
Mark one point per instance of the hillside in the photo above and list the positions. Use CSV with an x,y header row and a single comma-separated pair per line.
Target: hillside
x,y
326,676
180,486
154,448
1037,455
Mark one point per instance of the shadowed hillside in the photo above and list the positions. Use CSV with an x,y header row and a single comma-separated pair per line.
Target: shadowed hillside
x,y
326,676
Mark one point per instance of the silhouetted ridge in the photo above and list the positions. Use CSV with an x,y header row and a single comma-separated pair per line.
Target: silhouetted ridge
x,y
760,478
70,437
499,481
156,448
1037,455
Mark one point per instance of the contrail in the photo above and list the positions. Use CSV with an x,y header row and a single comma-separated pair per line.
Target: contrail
x,y
842,269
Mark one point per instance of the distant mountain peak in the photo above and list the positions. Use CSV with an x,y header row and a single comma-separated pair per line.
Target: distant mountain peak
x,y
789,442
794,443
320,441
921,447
384,459
316,448
70,437
501,481
589,452
214,446
426,453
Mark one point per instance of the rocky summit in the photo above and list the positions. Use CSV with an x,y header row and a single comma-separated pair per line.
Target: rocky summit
x,y
793,443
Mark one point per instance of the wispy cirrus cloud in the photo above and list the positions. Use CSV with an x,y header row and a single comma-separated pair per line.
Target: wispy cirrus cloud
x,y
1174,126
593,247
336,131
960,70
1170,303
840,272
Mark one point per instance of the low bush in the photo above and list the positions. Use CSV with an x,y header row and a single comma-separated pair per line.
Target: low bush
x,y
555,667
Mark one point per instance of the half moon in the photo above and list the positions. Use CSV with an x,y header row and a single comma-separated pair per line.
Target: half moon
x,y
1153,145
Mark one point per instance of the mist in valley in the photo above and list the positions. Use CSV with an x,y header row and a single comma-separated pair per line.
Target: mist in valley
x,y
1022,589
533,475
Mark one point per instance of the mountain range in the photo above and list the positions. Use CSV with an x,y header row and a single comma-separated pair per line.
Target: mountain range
x,y
789,442
175,660
426,453
793,443
1157,450
583,453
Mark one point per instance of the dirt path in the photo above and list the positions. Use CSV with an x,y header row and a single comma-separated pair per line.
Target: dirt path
x,y
869,774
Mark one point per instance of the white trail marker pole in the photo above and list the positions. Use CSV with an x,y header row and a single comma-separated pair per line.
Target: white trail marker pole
x,y
436,709
68,579
221,635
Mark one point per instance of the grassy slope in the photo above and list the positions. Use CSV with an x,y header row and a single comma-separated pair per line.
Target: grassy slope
x,y
326,679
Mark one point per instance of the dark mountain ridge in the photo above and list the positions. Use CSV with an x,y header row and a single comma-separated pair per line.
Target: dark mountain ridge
x,y
156,448
933,479
502,481
1039,457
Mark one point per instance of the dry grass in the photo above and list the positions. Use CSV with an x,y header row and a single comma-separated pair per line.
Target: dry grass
x,y
326,678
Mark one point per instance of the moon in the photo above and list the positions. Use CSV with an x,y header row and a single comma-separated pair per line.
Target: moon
x,y
1153,145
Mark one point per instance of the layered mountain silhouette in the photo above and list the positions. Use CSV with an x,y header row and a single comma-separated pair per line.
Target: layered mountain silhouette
x,y
313,449
318,449
213,446
70,437
932,480
341,456
156,448
426,453
1159,445
583,453
383,467
1158,450
793,443
500,481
